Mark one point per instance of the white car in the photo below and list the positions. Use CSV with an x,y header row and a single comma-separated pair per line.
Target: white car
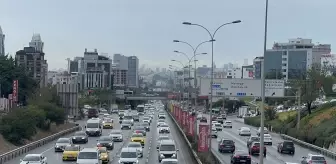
x,y
267,139
169,161
137,146
244,131
227,124
160,123
217,126
34,158
259,130
214,122
164,128
214,132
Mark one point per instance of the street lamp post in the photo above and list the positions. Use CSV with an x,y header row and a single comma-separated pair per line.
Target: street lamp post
x,y
183,67
212,39
194,56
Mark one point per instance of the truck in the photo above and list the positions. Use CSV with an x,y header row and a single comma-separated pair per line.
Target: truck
x,y
242,111
141,109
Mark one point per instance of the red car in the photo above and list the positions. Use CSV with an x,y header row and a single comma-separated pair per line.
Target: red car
x,y
255,148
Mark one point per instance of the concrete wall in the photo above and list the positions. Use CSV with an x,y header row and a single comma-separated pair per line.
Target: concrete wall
x,y
69,98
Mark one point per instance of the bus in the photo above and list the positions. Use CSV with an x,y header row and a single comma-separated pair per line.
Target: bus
x,y
141,109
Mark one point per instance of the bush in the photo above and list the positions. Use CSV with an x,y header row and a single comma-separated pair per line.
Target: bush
x,y
253,121
53,113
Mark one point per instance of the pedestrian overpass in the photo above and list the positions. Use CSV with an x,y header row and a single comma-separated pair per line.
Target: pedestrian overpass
x,y
141,97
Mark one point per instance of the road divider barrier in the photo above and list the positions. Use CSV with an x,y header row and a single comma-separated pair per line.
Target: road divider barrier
x,y
31,146
197,159
320,150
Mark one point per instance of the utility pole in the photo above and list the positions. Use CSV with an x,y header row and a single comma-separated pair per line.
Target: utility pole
x,y
223,101
299,109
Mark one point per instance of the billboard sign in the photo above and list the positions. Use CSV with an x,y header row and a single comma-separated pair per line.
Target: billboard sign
x,y
242,87
191,126
15,90
184,118
203,138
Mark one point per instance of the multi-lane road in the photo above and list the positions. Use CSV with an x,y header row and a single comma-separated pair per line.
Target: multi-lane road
x,y
272,155
150,152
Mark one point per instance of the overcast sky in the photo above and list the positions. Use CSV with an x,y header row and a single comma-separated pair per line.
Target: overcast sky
x,y
146,28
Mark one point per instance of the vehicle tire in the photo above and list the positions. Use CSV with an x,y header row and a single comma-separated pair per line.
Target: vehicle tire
x,y
230,126
264,154
271,144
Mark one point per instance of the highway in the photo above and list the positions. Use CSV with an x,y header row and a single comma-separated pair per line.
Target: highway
x,y
272,155
150,152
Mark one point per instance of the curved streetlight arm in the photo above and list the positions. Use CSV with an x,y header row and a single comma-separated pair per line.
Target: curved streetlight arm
x,y
204,29
213,35
180,63
183,54
200,45
188,45
197,55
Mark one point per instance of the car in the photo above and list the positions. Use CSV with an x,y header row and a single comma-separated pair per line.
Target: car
x,y
137,146
313,158
203,119
105,141
93,127
214,132
70,153
164,128
104,154
218,126
80,137
103,112
136,118
220,120
88,155
227,124
129,118
140,129
108,123
161,138
161,113
162,116
115,111
226,145
267,139
116,135
138,137
160,123
252,139
169,161
146,125
167,149
61,143
126,125
129,155
34,158
244,131
286,147
240,157
121,117
255,149
259,130
147,120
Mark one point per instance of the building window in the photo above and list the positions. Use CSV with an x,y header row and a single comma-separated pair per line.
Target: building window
x,y
284,53
284,70
284,64
284,59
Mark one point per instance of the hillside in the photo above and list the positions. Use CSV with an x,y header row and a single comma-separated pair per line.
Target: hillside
x,y
318,128
6,146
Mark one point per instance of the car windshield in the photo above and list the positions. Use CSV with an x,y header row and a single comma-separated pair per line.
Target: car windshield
x,y
241,153
31,158
128,117
103,150
318,158
164,125
164,138
128,155
139,128
134,145
227,142
104,138
80,134
115,132
169,162
63,140
71,148
104,112
160,120
137,135
218,125
108,120
145,124
254,138
256,144
87,155
92,125
167,148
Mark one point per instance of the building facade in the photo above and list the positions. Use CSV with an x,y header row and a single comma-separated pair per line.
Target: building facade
x,y
2,43
133,72
120,75
257,67
247,72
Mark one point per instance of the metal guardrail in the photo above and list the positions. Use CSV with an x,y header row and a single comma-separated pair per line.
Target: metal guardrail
x,y
26,148
186,139
320,150
219,160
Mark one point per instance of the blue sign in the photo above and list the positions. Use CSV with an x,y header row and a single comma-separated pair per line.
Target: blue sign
x,y
241,94
216,86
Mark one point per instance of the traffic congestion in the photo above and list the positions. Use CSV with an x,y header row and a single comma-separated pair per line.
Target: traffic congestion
x,y
143,135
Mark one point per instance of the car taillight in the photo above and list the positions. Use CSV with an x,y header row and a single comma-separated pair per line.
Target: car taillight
x,y
137,131
222,145
236,156
255,147
310,162
249,156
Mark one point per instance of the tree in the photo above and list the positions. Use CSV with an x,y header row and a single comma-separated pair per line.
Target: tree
x,y
310,87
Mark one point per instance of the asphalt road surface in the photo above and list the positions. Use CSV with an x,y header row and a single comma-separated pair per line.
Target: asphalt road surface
x,y
150,152
272,155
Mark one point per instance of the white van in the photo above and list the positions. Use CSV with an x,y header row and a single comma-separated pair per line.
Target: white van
x,y
89,155
93,127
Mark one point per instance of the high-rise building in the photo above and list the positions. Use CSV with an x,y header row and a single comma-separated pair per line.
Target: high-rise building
x,y
257,67
37,43
133,72
33,61
2,43
94,70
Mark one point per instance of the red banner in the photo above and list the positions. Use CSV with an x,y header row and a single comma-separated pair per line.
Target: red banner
x,y
203,138
184,118
187,120
15,90
180,115
191,125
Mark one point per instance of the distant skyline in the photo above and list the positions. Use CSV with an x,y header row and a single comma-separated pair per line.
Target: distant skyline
x,y
147,28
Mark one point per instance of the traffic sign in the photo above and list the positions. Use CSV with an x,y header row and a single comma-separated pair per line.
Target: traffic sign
x,y
242,87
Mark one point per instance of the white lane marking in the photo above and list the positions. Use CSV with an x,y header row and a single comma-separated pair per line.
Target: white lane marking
x,y
47,150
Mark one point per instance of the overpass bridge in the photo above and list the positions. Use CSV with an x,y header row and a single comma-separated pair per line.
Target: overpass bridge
x,y
148,96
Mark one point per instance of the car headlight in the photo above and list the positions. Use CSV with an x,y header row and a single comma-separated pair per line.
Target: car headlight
x,y
161,155
73,137
119,161
137,161
98,143
110,144
83,137
174,155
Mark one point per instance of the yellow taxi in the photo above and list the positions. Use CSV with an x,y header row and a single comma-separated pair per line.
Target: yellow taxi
x,y
70,153
104,154
108,123
138,137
